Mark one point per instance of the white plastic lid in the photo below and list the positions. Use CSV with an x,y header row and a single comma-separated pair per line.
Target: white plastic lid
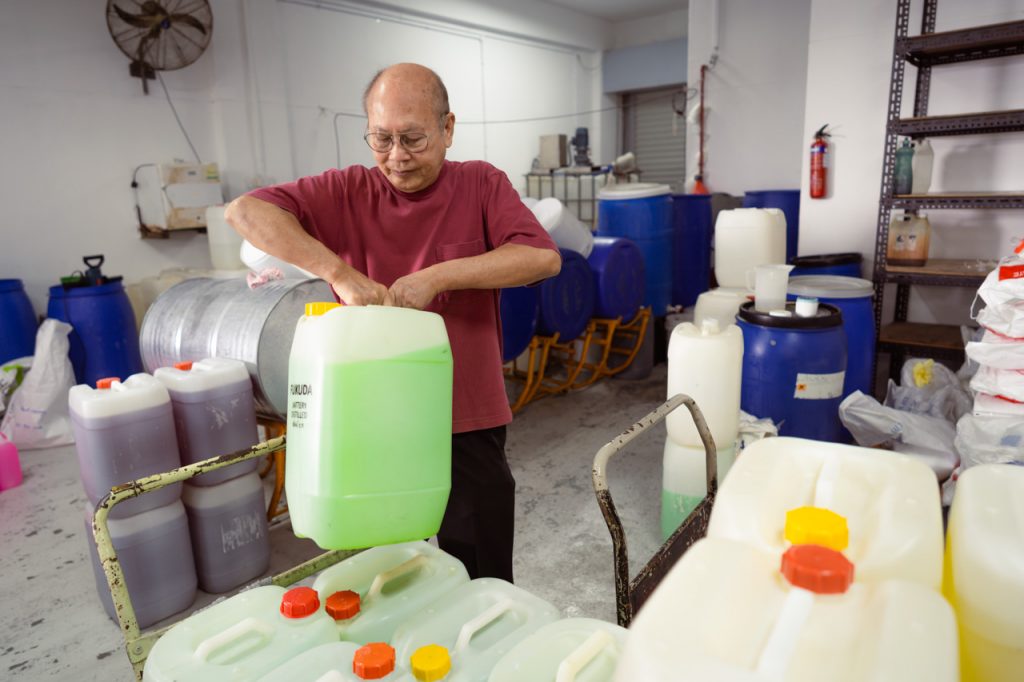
x,y
205,375
138,392
728,292
830,286
633,190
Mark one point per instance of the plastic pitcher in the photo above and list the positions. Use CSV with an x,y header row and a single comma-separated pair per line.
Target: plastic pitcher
x,y
369,425
746,238
983,580
684,482
228,525
393,583
477,624
242,637
572,650
890,503
124,431
156,556
706,364
769,282
747,620
214,413
10,465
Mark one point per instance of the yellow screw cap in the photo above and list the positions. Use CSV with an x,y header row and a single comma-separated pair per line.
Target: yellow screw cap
x,y
817,526
430,663
320,307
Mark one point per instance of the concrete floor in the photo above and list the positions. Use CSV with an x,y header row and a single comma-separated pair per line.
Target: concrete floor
x,y
54,627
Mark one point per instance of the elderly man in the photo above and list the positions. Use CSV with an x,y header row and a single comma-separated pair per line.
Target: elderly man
x,y
421,232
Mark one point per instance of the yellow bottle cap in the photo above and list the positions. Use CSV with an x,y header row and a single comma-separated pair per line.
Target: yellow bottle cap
x,y
430,663
817,526
320,307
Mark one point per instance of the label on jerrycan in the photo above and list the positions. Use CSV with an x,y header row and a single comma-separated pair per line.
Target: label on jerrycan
x,y
300,397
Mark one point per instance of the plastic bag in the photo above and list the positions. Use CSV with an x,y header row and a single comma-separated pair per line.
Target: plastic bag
x,y
1006,319
989,440
970,367
37,416
995,405
11,376
1005,284
928,438
753,429
930,389
998,351
1008,383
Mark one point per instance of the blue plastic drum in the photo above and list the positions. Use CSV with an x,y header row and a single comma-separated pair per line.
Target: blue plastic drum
x,y
642,212
853,297
691,247
618,268
793,370
17,321
789,201
840,264
519,308
567,300
104,342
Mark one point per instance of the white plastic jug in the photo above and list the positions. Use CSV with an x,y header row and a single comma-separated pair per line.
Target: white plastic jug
x,y
984,580
393,583
565,229
706,364
256,259
769,282
725,612
124,431
684,482
331,661
228,525
477,624
214,413
890,503
746,238
155,554
224,242
571,650
242,637
720,304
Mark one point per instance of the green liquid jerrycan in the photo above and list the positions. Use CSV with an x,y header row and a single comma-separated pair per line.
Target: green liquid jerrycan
x,y
369,425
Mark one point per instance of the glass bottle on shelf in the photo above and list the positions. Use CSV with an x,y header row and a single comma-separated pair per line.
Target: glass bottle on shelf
x,y
904,171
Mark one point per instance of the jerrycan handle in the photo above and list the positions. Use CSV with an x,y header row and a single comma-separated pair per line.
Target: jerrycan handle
x,y
480,622
582,655
240,629
398,571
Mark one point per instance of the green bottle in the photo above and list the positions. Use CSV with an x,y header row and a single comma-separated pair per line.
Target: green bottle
x,y
904,172
369,425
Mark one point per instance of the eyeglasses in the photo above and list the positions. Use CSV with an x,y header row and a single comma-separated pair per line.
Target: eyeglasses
x,y
411,142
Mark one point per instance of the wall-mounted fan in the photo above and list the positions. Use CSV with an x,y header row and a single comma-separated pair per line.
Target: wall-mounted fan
x,y
165,35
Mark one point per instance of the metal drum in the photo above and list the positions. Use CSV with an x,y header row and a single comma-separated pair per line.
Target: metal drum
x,y
202,318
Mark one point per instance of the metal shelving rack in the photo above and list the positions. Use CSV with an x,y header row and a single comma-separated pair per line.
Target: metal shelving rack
x,y
925,51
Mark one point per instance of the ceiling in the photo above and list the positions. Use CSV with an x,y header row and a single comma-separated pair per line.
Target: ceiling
x,y
620,10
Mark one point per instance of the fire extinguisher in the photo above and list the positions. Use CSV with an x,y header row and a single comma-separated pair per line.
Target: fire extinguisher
x,y
819,163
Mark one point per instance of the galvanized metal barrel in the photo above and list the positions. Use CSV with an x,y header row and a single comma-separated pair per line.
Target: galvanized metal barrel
x,y
201,318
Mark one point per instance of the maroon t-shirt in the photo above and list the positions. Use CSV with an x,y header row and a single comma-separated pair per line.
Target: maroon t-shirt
x,y
386,234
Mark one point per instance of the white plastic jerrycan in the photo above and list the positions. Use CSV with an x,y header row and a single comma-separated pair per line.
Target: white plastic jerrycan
x,y
880,508
706,364
124,430
571,650
373,592
476,624
746,238
242,637
369,425
984,578
726,612
684,480
720,304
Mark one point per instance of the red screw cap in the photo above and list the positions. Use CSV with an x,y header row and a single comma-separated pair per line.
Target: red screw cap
x,y
373,661
299,602
343,605
106,382
817,569
183,366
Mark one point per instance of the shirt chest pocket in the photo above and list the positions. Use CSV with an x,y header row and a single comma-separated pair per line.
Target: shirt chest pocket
x,y
454,251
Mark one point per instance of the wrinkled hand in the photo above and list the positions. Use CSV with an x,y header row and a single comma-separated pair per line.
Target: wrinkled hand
x,y
416,291
358,289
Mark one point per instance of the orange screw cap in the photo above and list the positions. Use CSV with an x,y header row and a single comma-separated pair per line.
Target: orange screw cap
x,y
343,605
183,366
373,661
817,569
106,382
299,602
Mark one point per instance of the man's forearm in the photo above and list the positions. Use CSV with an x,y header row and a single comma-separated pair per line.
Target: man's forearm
x,y
508,265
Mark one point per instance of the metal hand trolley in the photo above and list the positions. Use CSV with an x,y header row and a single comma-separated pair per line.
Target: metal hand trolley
x,y
631,594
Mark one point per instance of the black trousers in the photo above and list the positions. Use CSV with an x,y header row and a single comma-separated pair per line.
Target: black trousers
x,y
479,523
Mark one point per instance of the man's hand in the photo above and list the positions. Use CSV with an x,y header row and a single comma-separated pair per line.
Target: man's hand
x,y
416,290
358,289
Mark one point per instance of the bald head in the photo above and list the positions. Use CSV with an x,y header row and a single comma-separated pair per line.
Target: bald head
x,y
411,78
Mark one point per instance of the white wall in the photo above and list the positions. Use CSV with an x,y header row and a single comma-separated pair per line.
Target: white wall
x,y
660,27
754,93
850,58
76,124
